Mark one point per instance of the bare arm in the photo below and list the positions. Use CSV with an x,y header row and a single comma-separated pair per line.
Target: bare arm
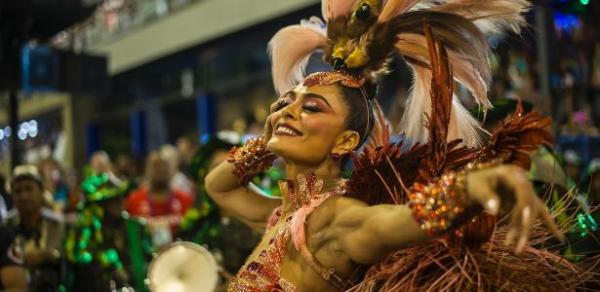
x,y
14,279
228,192
224,187
369,233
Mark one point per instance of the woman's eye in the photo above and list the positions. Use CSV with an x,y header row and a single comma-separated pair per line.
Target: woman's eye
x,y
312,108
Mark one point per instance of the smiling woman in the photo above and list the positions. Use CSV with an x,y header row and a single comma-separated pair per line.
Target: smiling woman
x,y
311,118
442,196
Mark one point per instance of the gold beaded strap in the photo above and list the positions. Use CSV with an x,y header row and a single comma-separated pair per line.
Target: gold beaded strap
x,y
443,204
250,159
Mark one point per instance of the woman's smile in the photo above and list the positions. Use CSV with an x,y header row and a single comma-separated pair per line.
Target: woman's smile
x,y
284,129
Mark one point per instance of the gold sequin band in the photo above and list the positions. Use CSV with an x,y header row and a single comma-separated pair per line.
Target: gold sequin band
x,y
442,205
329,78
250,159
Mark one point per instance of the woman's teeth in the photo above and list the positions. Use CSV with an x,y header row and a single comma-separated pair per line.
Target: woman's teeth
x,y
286,131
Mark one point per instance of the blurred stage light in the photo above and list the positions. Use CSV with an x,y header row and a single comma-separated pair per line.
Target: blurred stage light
x,y
22,134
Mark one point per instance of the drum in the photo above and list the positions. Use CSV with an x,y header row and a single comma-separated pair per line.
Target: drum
x,y
181,267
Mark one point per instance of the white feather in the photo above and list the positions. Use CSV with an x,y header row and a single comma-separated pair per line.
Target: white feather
x,y
418,106
291,48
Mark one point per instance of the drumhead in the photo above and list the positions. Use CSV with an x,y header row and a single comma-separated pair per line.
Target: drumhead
x,y
181,267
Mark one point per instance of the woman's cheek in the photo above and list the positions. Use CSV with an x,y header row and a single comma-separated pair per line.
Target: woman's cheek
x,y
318,126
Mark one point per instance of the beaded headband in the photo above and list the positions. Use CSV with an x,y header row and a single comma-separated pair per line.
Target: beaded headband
x,y
329,78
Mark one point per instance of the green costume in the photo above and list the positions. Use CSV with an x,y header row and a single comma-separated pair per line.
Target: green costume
x,y
106,251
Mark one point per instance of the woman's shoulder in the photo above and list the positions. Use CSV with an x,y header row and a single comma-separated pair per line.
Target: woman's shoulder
x,y
336,205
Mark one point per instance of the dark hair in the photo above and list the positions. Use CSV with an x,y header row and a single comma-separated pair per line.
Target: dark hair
x,y
360,109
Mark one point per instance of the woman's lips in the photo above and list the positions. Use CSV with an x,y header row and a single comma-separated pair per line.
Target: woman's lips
x,y
287,130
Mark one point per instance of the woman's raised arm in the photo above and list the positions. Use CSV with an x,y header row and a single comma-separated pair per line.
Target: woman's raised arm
x,y
227,183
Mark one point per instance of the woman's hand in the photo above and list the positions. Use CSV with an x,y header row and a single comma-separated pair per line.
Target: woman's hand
x,y
507,188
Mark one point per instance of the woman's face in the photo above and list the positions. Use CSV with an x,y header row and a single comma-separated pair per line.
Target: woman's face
x,y
309,125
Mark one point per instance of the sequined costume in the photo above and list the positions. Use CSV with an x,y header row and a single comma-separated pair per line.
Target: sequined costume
x,y
306,193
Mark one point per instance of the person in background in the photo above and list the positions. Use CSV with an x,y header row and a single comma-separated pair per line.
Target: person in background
x,y
179,180
100,163
106,249
38,230
13,276
162,206
54,181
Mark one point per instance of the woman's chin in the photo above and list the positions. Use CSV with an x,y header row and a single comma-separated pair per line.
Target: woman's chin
x,y
293,153
275,145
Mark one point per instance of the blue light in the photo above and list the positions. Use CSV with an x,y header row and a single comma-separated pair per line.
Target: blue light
x,y
566,22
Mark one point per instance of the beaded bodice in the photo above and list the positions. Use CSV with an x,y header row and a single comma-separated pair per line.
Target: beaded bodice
x,y
264,273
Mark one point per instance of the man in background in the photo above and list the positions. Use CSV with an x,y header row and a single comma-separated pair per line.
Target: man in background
x,y
38,230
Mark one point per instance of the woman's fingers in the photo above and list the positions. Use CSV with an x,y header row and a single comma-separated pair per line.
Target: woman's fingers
x,y
525,206
513,227
526,225
486,187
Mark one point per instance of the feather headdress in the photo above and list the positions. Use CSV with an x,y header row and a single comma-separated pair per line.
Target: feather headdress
x,y
361,35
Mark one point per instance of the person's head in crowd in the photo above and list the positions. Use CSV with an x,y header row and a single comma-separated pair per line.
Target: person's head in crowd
x,y
572,164
171,155
100,162
106,191
158,172
187,147
27,190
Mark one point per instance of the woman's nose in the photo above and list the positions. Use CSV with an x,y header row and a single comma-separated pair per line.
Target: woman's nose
x,y
291,111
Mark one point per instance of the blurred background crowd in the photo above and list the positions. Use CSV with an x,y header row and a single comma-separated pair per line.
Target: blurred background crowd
x,y
113,111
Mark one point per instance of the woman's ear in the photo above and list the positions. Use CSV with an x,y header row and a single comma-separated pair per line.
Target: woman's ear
x,y
346,142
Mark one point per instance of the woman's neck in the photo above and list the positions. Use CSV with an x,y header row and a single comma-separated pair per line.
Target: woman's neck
x,y
328,171
328,168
